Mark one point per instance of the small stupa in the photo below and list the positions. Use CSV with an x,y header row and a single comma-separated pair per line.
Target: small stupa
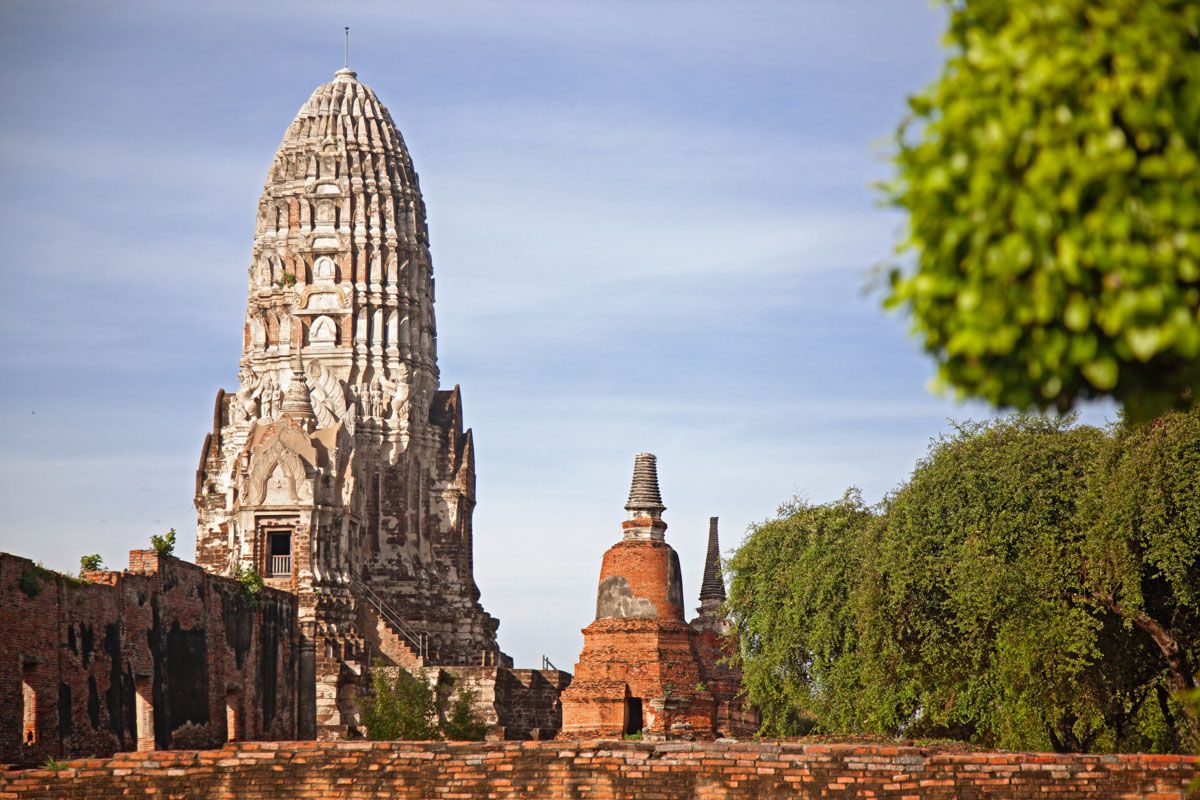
x,y
641,670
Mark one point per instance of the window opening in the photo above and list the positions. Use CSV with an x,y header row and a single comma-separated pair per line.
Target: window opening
x,y
280,555
29,704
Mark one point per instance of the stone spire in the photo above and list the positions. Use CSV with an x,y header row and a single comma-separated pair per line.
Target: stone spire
x,y
644,497
340,271
712,588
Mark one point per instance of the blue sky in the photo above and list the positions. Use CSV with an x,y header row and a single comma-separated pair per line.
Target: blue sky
x,y
652,225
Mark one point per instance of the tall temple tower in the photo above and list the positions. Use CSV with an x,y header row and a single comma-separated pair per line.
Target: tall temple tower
x,y
337,469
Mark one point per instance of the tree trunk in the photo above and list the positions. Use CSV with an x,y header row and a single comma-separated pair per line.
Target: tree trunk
x,y
1164,707
1179,673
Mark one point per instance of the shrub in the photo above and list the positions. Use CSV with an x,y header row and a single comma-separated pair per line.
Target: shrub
x,y
402,708
34,580
405,706
90,562
252,584
461,723
164,545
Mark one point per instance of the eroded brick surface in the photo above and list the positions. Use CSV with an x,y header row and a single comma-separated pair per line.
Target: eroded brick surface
x,y
164,655
604,770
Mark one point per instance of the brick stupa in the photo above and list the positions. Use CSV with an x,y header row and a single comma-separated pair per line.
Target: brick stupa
x,y
642,669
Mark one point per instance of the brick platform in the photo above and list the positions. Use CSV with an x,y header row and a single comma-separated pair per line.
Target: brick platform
x,y
604,770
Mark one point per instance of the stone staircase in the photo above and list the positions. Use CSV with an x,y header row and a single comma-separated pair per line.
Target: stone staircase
x,y
385,632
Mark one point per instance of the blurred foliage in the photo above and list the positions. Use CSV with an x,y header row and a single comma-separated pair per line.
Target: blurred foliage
x,y
1049,178
1021,590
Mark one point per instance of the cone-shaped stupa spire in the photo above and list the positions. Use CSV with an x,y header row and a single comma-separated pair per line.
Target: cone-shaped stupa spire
x,y
644,497
712,588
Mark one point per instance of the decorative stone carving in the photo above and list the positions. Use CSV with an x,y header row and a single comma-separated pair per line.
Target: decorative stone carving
x,y
323,333
375,400
261,272
324,270
326,393
399,391
246,403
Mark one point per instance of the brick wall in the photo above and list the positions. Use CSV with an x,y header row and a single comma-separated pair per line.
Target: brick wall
x,y
161,656
603,770
515,703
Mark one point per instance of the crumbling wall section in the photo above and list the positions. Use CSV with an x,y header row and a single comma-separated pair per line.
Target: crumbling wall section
x,y
161,656
514,703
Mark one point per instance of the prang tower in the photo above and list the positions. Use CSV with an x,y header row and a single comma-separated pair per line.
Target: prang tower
x,y
338,469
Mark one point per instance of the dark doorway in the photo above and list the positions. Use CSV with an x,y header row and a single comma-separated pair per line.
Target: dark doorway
x,y
633,715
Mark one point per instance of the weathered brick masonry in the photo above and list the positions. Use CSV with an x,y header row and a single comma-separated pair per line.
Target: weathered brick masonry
x,y
643,668
604,770
163,655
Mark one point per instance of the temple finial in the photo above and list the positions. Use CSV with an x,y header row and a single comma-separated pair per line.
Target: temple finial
x,y
712,587
346,60
644,497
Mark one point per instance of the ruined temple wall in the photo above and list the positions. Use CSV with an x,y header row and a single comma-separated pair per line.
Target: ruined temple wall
x,y
514,703
164,655
606,770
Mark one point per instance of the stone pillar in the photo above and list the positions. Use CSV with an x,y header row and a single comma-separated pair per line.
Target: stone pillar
x,y
306,716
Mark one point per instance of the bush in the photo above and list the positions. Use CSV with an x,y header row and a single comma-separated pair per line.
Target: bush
x,y
252,584
34,580
90,562
403,708
407,707
462,724
164,545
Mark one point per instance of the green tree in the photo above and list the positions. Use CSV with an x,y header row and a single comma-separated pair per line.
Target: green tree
x,y
90,562
402,707
1142,548
1048,176
986,632
789,600
993,597
163,544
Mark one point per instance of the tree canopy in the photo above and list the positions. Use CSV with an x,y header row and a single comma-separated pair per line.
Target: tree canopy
x,y
1048,177
1032,585
791,581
